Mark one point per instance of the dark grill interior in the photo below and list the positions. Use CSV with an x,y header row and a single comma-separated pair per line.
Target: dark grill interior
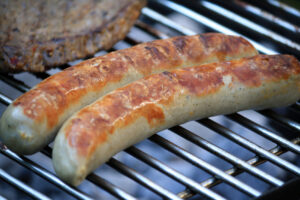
x,y
240,156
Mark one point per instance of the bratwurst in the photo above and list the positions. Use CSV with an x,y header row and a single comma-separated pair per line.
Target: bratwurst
x,y
134,112
32,120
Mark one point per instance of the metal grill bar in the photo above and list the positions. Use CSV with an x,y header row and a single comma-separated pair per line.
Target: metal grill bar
x,y
15,83
250,25
296,106
5,100
255,161
285,7
211,24
152,31
141,179
171,173
266,15
165,21
283,120
204,165
225,155
264,132
111,188
22,186
43,173
249,145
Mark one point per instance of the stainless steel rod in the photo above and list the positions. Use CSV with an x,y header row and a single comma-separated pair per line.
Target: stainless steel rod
x,y
285,7
15,83
172,173
141,179
268,16
109,187
264,132
25,162
255,161
259,29
210,23
225,155
151,30
22,186
204,165
283,120
5,100
166,21
250,145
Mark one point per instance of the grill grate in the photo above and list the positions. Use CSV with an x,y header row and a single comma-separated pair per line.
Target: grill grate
x,y
261,23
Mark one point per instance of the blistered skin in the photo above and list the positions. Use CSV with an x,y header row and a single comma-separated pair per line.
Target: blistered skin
x,y
136,111
51,102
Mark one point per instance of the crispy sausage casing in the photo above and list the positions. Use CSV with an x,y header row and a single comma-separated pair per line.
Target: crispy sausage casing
x,y
134,112
32,120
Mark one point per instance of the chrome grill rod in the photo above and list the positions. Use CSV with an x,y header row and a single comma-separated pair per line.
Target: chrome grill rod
x,y
204,165
225,155
283,120
250,145
249,24
264,132
141,179
171,173
255,161
21,186
201,19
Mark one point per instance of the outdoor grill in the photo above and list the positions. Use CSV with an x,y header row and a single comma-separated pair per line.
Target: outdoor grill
x,y
250,154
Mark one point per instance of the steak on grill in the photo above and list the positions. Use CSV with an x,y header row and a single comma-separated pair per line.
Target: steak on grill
x,y
37,35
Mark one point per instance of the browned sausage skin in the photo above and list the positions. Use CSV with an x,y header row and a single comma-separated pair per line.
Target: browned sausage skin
x,y
32,120
134,112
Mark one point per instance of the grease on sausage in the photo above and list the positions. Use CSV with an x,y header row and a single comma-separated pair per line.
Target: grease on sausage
x,y
136,111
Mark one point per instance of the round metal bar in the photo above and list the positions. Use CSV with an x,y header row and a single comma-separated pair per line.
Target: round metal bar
x,y
225,155
210,23
283,120
250,145
264,132
22,186
15,83
172,173
109,187
249,24
5,100
285,7
204,165
141,179
255,161
25,162
151,30
167,22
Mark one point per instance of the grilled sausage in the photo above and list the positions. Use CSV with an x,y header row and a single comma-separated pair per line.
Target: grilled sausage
x,y
134,112
32,120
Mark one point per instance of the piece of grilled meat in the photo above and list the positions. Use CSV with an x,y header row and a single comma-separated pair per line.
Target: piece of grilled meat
x,y
37,35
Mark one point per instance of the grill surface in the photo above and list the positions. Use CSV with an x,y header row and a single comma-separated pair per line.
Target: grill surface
x,y
247,153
